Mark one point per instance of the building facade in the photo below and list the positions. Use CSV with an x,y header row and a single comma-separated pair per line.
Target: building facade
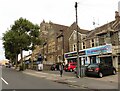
x,y
99,45
58,41
52,48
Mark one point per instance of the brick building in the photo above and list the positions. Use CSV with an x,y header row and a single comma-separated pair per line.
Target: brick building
x,y
56,40
101,44
104,41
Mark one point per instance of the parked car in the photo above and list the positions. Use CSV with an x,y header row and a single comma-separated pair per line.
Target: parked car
x,y
70,66
55,67
7,65
100,70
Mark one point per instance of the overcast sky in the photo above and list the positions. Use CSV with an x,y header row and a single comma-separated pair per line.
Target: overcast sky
x,y
57,11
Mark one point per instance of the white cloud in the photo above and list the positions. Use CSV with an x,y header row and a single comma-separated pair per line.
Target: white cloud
x,y
58,11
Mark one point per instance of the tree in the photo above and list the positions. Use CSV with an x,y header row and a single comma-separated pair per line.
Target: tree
x,y
10,43
35,40
21,35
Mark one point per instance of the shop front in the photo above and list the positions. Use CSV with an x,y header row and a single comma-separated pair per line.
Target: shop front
x,y
100,54
72,57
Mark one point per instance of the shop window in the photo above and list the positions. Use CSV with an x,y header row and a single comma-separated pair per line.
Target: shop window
x,y
93,59
106,60
72,60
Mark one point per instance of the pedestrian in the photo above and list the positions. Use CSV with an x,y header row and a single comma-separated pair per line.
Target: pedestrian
x,y
61,69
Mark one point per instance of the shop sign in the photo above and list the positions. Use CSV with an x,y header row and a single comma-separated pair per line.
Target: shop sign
x,y
74,54
99,50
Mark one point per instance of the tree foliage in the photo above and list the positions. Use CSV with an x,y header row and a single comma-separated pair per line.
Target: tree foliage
x,y
10,45
23,35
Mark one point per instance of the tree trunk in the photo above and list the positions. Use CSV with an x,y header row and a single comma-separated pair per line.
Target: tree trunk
x,y
21,57
16,62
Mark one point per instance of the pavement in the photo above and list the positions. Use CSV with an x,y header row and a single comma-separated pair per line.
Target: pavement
x,y
107,82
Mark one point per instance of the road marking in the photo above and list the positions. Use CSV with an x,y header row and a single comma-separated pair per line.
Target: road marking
x,y
42,76
41,72
71,81
4,81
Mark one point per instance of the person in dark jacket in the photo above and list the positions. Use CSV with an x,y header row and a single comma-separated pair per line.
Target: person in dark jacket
x,y
61,69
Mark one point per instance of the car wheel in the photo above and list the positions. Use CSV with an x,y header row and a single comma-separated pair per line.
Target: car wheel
x,y
71,70
100,75
114,72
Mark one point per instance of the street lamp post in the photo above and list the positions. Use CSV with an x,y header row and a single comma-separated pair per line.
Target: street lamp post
x,y
78,61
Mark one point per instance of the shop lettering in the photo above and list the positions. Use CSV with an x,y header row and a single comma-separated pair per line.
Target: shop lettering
x,y
90,51
99,50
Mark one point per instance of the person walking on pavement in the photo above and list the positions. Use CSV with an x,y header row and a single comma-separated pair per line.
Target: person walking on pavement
x,y
61,69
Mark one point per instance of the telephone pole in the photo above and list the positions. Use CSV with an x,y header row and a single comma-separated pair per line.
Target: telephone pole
x,y
78,60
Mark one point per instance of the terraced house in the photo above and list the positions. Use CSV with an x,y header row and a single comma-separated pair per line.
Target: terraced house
x,y
101,44
108,34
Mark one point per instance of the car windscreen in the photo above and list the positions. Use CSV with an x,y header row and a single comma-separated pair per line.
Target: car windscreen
x,y
93,66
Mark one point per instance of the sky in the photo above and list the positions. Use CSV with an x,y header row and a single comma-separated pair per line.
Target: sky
x,y
57,11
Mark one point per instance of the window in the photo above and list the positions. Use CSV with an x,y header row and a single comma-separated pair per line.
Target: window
x,y
74,47
58,47
92,43
75,35
83,45
59,58
119,35
60,39
102,40
97,42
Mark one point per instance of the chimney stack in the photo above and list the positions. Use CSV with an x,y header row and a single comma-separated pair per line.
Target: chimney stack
x,y
117,15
